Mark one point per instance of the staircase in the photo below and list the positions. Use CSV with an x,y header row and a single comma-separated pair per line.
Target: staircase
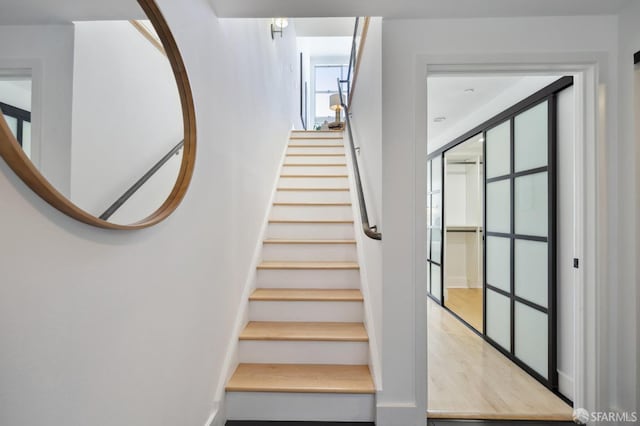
x,y
304,353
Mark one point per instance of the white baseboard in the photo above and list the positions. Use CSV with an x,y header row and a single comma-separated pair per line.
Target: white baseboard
x,y
216,418
565,384
399,414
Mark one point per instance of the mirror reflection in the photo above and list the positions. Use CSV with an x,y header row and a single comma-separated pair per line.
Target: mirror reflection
x,y
88,92
463,219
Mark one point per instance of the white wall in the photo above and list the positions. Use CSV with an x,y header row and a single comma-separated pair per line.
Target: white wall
x,y
131,328
46,52
403,41
367,132
126,117
628,222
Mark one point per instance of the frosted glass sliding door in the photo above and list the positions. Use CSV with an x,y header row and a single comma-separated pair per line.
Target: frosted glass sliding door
x,y
519,282
434,227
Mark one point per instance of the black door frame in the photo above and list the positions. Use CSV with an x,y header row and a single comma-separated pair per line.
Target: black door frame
x,y
548,93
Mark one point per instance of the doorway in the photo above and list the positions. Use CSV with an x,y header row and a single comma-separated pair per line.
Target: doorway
x,y
463,235
493,247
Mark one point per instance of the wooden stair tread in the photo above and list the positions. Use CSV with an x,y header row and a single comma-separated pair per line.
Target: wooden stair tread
x,y
336,145
305,331
316,155
302,378
320,242
318,131
316,138
308,265
314,176
311,204
314,189
314,165
312,222
306,295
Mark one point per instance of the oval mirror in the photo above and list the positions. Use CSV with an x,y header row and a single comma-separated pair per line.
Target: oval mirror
x,y
98,112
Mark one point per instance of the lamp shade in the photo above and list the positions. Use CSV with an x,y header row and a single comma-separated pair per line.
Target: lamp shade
x,y
335,101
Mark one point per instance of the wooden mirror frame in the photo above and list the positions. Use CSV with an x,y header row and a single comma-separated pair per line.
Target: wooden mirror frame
x,y
18,161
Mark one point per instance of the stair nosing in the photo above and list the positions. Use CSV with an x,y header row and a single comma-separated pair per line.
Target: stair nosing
x,y
308,241
335,222
293,265
314,165
317,297
311,204
293,189
324,336
304,386
315,176
337,145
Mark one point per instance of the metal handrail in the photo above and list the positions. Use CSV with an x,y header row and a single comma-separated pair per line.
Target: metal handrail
x,y
370,231
136,186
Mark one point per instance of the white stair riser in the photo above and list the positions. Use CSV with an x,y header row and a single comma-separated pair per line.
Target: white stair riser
x,y
284,352
323,279
312,196
326,231
310,252
311,213
285,182
300,406
306,311
314,160
315,150
323,170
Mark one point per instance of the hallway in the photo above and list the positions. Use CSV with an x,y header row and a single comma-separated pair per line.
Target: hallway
x,y
469,379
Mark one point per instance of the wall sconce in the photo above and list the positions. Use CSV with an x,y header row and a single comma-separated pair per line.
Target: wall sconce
x,y
336,103
278,25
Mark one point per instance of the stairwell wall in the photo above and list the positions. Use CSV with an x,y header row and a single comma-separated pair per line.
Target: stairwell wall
x,y
367,132
122,328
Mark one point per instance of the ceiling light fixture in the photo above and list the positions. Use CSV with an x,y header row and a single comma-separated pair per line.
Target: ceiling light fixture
x,y
469,90
439,119
277,25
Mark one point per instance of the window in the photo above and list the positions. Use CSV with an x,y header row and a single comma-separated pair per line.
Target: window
x,y
326,77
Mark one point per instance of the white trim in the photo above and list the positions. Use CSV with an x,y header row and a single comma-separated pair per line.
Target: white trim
x,y
398,414
216,418
587,68
231,358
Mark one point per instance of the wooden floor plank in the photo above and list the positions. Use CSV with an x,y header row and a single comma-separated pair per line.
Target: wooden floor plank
x,y
466,303
470,379
303,378
304,295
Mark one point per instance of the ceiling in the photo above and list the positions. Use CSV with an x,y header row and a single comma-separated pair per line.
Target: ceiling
x,y
324,27
415,8
456,104
47,12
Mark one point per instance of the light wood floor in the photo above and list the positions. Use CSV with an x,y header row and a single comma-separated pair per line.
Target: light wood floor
x,y
466,303
469,379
